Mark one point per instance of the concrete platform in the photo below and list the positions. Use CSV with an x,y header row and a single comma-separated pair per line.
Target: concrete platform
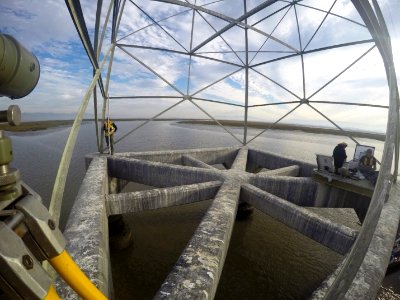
x,y
361,187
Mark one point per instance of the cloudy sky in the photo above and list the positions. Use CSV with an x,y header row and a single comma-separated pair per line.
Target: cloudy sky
x,y
158,79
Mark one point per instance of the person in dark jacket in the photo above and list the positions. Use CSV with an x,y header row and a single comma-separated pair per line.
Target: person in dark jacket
x,y
339,156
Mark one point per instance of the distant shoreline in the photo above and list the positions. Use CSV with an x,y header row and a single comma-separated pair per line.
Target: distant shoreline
x,y
289,127
42,125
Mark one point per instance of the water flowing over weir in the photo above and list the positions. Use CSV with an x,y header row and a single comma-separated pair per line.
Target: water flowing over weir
x,y
282,188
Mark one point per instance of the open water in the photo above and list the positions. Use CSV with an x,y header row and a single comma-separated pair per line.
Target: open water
x,y
266,260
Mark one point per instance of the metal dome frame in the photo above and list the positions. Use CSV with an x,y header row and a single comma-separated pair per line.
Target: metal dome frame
x,y
374,22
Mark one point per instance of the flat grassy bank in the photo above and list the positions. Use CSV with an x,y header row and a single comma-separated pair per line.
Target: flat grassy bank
x,y
35,125
262,125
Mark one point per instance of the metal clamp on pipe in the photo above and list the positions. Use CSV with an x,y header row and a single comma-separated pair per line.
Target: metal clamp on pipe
x,y
49,243
12,115
45,232
10,183
21,274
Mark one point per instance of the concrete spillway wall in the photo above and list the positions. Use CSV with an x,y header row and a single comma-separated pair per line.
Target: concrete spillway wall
x,y
272,161
213,156
183,177
300,191
335,236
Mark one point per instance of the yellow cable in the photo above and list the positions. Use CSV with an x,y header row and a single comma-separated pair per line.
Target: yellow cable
x,y
52,294
76,279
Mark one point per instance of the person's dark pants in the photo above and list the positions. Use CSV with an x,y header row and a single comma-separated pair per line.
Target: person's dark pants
x,y
110,143
338,165
370,174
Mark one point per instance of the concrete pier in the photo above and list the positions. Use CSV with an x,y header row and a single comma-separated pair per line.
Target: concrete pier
x,y
87,231
373,268
197,272
278,192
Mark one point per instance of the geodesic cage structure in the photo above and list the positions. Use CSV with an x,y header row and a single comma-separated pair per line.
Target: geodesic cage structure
x,y
270,61
251,61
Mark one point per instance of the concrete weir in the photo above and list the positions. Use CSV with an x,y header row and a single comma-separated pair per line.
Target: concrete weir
x,y
187,176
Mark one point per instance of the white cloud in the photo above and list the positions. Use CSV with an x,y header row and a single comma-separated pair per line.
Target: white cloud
x,y
43,26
